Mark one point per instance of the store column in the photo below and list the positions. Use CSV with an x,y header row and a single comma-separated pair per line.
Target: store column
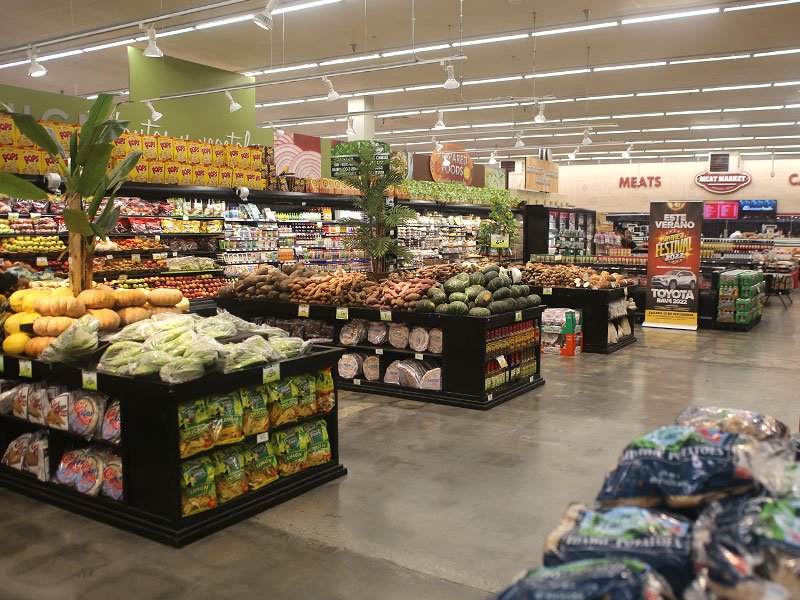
x,y
363,124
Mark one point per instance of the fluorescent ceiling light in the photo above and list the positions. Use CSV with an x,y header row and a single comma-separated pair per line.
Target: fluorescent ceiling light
x,y
291,68
252,73
677,15
723,126
639,115
558,101
606,97
615,132
490,106
792,106
303,6
659,63
379,92
730,139
557,73
575,28
415,50
689,61
747,109
427,86
776,53
350,59
172,32
781,124
506,124
706,111
280,103
779,137
493,80
669,92
728,88
492,40
60,55
579,119
399,114
226,21
786,83
109,45
14,64
665,129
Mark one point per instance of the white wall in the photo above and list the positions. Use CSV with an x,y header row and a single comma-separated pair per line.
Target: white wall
x,y
597,187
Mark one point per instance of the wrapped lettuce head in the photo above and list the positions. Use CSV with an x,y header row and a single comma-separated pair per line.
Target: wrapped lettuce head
x,y
243,326
166,321
77,342
215,327
290,347
253,351
181,370
135,332
118,358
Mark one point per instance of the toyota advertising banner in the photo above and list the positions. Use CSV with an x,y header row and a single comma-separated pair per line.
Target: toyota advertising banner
x,y
673,265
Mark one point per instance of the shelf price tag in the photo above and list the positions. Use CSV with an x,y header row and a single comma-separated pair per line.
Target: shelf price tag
x,y
379,351
490,397
419,356
173,254
2,364
89,380
41,261
547,291
531,379
356,382
158,238
25,368
185,217
136,258
386,315
518,316
342,313
262,437
109,256
626,291
501,360
271,374
35,216
123,277
159,255
13,216
303,310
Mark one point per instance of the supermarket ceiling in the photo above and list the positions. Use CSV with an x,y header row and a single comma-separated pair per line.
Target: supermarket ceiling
x,y
667,77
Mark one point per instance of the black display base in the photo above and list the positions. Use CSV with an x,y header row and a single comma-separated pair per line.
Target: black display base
x,y
740,327
611,348
447,399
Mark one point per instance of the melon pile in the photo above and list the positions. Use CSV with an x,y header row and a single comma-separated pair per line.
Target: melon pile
x,y
491,291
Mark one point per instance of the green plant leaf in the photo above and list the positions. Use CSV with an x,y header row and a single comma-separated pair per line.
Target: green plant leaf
x,y
111,130
107,220
92,127
73,151
76,222
39,135
16,187
94,170
120,172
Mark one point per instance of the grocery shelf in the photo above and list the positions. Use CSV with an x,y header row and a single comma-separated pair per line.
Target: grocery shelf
x,y
391,350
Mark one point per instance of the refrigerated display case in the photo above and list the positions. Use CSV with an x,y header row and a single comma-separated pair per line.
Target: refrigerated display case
x,y
555,230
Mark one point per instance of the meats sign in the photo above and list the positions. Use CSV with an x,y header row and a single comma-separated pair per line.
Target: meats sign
x,y
723,183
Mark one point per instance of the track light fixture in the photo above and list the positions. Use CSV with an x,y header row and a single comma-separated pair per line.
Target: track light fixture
x,y
452,82
493,158
446,161
520,143
540,118
277,131
264,18
152,50
437,145
35,69
234,106
350,130
574,153
626,154
439,120
587,141
154,114
333,95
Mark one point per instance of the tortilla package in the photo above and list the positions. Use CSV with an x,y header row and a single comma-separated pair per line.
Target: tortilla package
x,y
111,427
751,548
15,452
112,486
82,469
682,467
37,460
291,450
662,541
226,412
196,429
86,411
261,465
256,414
229,474
603,579
198,491
732,420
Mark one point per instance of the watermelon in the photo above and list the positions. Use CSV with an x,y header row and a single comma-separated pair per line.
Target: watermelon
x,y
476,278
458,308
480,312
483,299
456,284
516,291
425,306
442,309
495,284
534,300
457,297
502,294
473,291
496,308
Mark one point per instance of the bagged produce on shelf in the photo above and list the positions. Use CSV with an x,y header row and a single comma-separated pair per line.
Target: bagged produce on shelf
x,y
37,460
600,579
261,465
111,426
182,370
118,357
216,327
326,394
78,341
228,416
7,399
112,477
289,347
14,454
196,430
283,402
624,327
255,411
172,341
229,474
377,333
734,420
353,333
205,349
626,532
253,351
198,490
291,450
319,446
351,365
86,411
148,363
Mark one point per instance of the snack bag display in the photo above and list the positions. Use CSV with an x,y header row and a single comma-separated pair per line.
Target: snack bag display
x,y
199,176
252,179
306,395
283,398
196,429
226,412
206,155
256,159
225,177
86,412
9,160
181,151
662,541
681,467
603,579
156,172
319,446
193,152
218,155
165,148
185,175
120,149
232,156
325,392
291,449
244,158
256,414
732,420
30,162
112,486
21,141
198,490
6,131
239,178
261,465
172,173
139,173
149,148
133,142
19,401
230,476
212,176
38,403
63,133
82,470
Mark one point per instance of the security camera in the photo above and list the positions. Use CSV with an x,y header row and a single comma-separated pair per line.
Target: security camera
x,y
242,193
52,182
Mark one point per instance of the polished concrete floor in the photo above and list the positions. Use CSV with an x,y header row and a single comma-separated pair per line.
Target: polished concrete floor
x,y
440,503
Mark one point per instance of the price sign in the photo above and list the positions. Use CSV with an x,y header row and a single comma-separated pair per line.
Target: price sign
x,y
501,360
386,315
89,380
123,277
342,313
356,382
379,351
303,310
271,374
626,291
319,224
160,255
185,217
518,316
136,258
35,216
419,356
25,368
109,256
262,437
13,216
490,397
2,364
174,254
41,261
499,240
530,380
547,291
158,238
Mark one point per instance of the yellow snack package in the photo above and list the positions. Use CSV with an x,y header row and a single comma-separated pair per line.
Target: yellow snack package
x,y
9,160
49,164
63,133
134,143
239,178
172,173
232,156
185,175
244,158
256,158
253,180
156,172
206,155
212,177
218,156
166,148
30,162
21,141
149,147
199,176
226,177
194,153
139,173
120,146
6,131
181,151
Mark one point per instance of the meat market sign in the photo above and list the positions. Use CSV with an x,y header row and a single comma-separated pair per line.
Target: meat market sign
x,y
723,183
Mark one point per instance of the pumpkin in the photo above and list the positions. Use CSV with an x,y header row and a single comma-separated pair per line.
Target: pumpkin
x,y
103,287
15,343
126,298
132,314
13,323
60,307
63,291
52,326
165,309
97,299
108,318
35,346
164,297
183,305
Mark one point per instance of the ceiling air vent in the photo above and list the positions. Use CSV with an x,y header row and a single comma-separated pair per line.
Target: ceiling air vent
x,y
723,162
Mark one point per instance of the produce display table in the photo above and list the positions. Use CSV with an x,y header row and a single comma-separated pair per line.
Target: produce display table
x,y
149,449
594,304
464,361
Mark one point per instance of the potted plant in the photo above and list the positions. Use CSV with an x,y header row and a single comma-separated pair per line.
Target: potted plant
x,y
501,221
84,171
370,175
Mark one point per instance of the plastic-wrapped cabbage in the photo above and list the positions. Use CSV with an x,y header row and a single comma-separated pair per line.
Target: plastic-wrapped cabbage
x,y
290,346
135,332
205,349
118,357
77,342
150,363
172,341
181,370
215,327
253,351
243,326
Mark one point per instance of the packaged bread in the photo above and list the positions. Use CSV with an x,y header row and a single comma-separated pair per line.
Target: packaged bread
x,y
353,333
149,148
350,365
230,477
261,465
319,446
325,391
58,411
626,532
418,339
392,374
19,400
165,148
38,403
734,420
398,335
198,490
411,373
372,368
111,427
432,380
435,341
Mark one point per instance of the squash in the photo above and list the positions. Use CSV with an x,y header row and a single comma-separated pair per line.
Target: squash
x,y
126,298
13,323
132,314
17,298
62,292
97,299
107,317
165,309
105,288
164,297
52,326
60,307
35,346
183,305
15,343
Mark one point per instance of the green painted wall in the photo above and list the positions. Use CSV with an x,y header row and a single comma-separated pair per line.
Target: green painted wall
x,y
44,105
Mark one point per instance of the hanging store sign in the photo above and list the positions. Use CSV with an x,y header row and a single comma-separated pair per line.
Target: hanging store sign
x,y
673,265
452,164
541,175
723,183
